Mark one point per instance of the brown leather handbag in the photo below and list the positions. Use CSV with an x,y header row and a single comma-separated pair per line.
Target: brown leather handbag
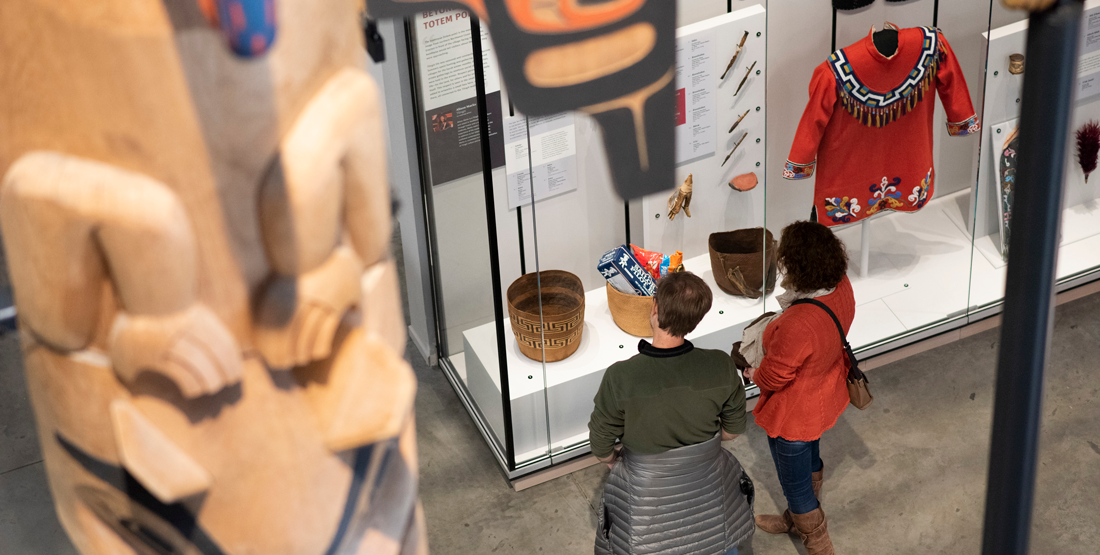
x,y
858,392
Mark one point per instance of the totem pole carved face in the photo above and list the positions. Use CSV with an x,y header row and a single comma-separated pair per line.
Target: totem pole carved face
x,y
613,59
197,222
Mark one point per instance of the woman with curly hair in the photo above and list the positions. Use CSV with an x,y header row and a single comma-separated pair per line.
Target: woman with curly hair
x,y
802,375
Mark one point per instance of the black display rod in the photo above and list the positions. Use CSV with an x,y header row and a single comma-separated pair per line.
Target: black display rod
x,y
1047,99
491,224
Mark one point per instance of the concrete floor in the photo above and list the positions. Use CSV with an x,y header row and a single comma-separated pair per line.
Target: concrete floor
x,y
906,476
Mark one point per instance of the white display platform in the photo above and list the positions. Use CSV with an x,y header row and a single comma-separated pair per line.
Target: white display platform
x,y
1078,251
919,275
571,384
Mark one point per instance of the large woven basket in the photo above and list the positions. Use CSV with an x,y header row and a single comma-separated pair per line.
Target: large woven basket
x,y
743,261
562,314
630,312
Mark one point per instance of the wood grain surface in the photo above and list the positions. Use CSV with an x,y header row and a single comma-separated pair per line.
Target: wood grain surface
x,y
191,236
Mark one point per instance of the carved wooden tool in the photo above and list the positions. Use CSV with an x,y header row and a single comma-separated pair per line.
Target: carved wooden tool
x,y
735,55
745,78
738,122
681,198
734,149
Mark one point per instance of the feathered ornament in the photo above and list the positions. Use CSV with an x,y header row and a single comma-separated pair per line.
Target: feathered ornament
x,y
681,198
1088,147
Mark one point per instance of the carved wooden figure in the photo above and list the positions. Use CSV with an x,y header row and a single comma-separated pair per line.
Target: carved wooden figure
x,y
680,199
197,223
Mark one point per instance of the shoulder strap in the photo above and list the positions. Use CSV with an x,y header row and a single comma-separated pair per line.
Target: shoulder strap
x,y
828,311
853,369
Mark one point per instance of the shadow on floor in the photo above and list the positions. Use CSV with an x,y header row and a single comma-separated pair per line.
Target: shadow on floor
x,y
906,476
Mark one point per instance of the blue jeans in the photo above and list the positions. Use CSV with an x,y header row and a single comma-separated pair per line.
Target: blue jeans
x,y
795,461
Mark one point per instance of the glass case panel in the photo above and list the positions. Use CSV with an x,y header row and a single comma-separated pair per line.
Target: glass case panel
x,y
898,197
1079,245
571,216
924,242
721,140
478,247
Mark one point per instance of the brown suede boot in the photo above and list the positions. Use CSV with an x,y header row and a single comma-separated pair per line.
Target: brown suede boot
x,y
813,529
775,524
782,524
817,478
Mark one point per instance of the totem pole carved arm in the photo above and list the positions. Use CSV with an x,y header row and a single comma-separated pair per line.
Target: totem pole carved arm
x,y
73,224
324,214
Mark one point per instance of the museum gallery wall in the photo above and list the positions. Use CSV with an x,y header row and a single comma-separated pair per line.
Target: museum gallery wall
x,y
756,87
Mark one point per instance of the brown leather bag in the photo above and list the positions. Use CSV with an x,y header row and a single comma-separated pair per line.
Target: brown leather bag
x,y
858,392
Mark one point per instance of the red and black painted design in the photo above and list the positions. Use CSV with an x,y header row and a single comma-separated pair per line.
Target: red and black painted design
x,y
248,25
633,102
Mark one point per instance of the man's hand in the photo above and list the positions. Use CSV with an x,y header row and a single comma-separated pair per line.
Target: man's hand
x,y
726,436
610,459
749,373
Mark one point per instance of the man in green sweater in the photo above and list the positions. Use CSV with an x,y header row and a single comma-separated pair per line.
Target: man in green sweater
x,y
670,394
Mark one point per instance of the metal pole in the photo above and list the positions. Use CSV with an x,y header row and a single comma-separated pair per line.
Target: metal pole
x,y
865,249
1049,82
491,224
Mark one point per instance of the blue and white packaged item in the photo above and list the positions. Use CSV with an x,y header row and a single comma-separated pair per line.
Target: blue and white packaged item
x,y
619,267
612,275
664,265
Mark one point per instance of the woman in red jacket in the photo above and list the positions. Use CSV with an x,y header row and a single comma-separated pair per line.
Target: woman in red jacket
x,y
802,376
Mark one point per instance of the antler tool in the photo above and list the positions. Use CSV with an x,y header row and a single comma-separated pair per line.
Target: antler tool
x,y
738,122
734,149
735,55
746,78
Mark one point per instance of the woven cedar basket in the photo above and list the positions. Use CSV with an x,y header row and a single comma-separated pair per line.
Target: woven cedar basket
x,y
739,258
630,312
562,313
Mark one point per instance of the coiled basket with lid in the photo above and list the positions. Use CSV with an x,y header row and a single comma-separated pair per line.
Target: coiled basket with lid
x,y
562,314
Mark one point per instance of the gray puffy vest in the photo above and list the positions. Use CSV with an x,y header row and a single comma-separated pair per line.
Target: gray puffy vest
x,y
693,500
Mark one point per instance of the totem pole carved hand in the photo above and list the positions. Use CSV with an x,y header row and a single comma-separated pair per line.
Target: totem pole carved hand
x,y
297,317
75,224
327,169
192,348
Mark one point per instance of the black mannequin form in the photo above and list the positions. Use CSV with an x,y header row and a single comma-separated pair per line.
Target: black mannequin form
x,y
856,4
886,41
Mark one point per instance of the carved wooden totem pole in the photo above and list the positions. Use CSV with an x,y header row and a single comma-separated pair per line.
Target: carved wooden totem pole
x,y
196,215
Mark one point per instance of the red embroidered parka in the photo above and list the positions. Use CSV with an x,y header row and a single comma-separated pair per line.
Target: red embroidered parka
x,y
867,129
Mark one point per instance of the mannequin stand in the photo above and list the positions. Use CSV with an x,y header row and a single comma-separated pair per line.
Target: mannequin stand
x,y
864,248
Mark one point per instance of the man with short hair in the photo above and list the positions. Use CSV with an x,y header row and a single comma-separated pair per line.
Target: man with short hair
x,y
670,406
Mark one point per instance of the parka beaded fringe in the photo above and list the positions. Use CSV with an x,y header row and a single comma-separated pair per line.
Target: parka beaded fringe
x,y
873,116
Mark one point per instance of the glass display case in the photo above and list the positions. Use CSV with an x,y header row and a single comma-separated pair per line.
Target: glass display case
x,y
771,127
